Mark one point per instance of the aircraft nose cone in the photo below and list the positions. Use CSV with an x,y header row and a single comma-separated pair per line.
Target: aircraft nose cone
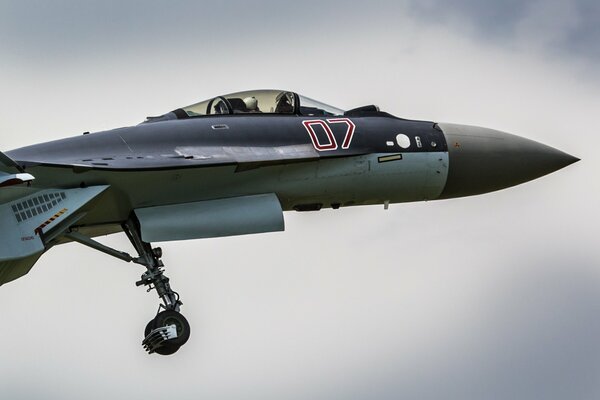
x,y
483,160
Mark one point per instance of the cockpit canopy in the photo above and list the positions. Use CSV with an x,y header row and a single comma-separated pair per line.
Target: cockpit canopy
x,y
255,102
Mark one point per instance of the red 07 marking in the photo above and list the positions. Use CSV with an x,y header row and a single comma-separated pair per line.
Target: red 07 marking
x,y
331,143
349,131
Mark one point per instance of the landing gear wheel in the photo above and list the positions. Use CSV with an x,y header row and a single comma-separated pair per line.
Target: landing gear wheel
x,y
170,317
164,350
165,346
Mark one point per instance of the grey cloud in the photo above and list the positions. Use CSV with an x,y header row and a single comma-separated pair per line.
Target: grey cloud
x,y
559,26
533,339
70,30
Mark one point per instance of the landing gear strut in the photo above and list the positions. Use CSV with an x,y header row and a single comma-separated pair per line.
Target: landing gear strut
x,y
168,330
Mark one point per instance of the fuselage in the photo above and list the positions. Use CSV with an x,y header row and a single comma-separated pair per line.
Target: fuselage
x,y
308,162
177,161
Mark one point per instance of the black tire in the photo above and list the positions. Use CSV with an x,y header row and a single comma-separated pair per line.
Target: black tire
x,y
167,349
170,317
148,328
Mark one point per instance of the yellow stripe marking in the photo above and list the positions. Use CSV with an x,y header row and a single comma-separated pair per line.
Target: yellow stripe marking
x,y
49,221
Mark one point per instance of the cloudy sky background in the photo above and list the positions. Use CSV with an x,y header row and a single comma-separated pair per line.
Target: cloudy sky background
x,y
495,296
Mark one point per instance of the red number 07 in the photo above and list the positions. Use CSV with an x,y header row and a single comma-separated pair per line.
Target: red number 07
x,y
331,143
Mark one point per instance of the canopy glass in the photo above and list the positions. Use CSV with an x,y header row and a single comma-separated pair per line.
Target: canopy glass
x,y
259,102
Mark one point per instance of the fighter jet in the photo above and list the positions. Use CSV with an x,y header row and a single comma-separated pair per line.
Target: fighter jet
x,y
231,165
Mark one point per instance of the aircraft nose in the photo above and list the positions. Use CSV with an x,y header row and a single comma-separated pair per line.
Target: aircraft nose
x,y
483,160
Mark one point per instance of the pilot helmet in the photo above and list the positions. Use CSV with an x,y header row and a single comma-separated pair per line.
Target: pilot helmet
x,y
251,103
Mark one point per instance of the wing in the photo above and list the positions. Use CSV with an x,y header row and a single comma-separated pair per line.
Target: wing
x,y
30,223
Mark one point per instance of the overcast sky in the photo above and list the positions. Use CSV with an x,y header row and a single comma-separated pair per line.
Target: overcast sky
x,y
490,297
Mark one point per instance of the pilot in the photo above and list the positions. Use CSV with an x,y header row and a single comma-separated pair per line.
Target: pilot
x,y
252,105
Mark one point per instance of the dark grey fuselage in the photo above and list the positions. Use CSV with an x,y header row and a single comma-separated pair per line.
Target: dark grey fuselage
x,y
178,161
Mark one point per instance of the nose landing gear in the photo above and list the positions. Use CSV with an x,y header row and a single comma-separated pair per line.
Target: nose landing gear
x,y
168,330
